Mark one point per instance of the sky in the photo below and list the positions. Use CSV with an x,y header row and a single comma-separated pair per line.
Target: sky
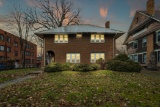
x,y
96,12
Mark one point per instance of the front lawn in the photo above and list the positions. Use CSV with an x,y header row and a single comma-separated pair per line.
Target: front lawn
x,y
13,74
80,89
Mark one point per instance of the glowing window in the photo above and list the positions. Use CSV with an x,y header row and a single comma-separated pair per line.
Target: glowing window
x,y
97,38
61,39
73,57
96,56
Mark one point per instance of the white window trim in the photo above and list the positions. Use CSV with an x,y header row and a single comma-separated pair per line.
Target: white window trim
x,y
75,57
137,44
59,38
95,38
143,58
146,42
95,57
157,36
137,58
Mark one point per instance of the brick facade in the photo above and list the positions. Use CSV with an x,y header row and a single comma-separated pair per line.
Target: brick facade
x,y
150,46
31,49
79,45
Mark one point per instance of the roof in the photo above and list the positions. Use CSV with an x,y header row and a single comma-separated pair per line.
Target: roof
x,y
156,16
83,28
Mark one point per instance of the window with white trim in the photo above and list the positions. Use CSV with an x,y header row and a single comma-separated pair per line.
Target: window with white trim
x,y
73,57
96,56
144,42
135,44
97,38
135,58
1,48
158,36
61,39
1,37
144,58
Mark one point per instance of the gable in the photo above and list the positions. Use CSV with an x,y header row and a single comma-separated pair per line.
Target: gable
x,y
138,20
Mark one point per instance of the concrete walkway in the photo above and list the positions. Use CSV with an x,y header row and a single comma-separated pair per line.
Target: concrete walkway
x,y
18,80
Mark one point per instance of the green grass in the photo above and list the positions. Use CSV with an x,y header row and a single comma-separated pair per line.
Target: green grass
x,y
79,89
13,74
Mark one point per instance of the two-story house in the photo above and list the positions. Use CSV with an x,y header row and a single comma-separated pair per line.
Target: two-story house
x,y
144,35
79,43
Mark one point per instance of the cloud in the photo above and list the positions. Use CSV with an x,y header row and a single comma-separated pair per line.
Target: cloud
x,y
1,3
103,11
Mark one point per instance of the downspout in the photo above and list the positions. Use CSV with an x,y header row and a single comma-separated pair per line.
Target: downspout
x,y
114,45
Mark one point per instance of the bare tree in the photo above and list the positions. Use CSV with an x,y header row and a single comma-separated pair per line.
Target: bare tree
x,y
18,20
50,14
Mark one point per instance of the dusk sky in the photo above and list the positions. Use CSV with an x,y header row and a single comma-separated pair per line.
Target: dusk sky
x,y
95,12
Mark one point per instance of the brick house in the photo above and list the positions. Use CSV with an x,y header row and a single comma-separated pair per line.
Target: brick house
x,y
79,43
10,49
144,35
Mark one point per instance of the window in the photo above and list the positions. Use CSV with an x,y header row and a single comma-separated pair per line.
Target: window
x,y
15,53
158,36
61,39
73,58
144,42
32,53
131,57
144,58
2,57
96,56
1,37
135,44
135,58
1,48
27,61
97,38
8,49
28,53
79,36
8,39
16,44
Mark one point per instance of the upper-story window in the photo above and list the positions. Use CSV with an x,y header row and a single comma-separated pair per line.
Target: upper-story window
x,y
1,48
97,38
96,56
158,36
8,49
16,44
79,36
1,37
15,53
61,39
135,44
8,39
144,42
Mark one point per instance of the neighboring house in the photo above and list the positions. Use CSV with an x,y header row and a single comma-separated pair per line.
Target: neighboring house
x,y
79,43
144,35
10,49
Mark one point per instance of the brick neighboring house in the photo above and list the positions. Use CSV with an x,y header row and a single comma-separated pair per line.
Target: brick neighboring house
x,y
144,35
10,49
79,43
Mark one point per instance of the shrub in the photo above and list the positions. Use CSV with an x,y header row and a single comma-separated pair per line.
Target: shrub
x,y
122,57
66,66
94,67
101,62
54,67
123,66
82,67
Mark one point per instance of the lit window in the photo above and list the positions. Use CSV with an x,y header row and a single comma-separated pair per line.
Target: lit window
x,y
79,36
96,56
135,45
158,36
144,58
144,42
1,37
1,48
61,39
97,38
73,58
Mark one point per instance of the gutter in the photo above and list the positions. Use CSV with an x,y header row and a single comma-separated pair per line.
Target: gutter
x,y
114,45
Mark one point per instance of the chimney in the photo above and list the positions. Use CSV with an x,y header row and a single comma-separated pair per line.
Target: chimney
x,y
150,7
107,24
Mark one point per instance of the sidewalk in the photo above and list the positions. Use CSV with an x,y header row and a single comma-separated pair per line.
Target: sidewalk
x,y
18,80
